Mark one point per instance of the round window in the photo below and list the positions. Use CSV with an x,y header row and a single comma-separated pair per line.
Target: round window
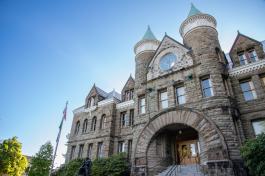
x,y
167,61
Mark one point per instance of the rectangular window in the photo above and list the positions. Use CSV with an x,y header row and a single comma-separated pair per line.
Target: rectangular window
x,y
124,119
131,121
72,152
248,90
142,105
181,95
89,150
121,147
163,99
129,148
80,152
100,150
207,89
259,126
253,56
128,95
242,59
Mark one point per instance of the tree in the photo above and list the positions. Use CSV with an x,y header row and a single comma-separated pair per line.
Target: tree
x,y
253,152
12,161
41,162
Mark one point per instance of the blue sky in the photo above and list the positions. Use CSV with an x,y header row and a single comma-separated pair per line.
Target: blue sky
x,y
53,51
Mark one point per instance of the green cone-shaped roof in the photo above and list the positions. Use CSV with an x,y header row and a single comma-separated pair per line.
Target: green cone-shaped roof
x,y
193,10
149,34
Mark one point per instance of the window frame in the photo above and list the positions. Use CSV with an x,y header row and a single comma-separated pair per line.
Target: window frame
x,y
255,121
255,56
80,151
100,150
103,121
72,152
121,147
94,124
178,96
77,127
141,107
253,90
161,101
245,59
131,117
206,88
90,150
85,125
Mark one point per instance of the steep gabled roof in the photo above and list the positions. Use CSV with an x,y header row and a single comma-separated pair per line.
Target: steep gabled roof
x,y
244,36
114,94
161,47
130,80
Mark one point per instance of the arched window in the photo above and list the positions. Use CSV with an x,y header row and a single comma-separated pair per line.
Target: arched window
x,y
94,124
103,121
77,126
85,126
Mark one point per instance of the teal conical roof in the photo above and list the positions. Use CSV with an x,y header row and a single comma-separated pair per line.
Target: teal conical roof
x,y
193,10
149,34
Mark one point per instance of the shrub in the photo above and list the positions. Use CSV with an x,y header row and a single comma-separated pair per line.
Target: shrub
x,y
69,169
253,152
116,165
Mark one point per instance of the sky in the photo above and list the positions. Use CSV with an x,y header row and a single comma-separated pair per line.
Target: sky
x,y
52,51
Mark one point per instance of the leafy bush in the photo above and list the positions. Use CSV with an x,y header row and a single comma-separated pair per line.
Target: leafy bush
x,y
253,152
69,169
116,165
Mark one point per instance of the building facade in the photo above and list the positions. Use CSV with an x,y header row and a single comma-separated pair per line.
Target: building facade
x,y
189,104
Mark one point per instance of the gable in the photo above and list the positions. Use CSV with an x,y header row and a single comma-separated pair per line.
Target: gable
x,y
169,45
129,84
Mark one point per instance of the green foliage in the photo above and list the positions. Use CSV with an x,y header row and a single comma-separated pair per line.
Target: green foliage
x,y
12,161
253,152
41,162
69,169
115,165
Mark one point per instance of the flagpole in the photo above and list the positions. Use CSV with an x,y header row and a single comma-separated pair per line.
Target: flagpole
x,y
58,137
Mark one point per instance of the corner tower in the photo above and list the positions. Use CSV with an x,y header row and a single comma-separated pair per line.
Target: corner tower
x,y
144,51
199,33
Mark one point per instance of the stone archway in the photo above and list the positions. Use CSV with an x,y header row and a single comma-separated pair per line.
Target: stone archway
x,y
216,148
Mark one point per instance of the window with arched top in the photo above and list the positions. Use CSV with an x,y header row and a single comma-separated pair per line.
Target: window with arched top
x,y
77,126
85,126
94,124
103,121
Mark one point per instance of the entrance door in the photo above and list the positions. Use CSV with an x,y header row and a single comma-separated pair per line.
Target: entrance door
x,y
188,152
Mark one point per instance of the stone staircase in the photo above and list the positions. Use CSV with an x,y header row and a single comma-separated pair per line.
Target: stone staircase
x,y
182,170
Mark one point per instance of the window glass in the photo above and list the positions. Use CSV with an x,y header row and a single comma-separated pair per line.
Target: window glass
x,y
253,55
121,147
81,148
142,105
193,149
85,126
77,127
100,150
94,124
163,100
242,59
89,151
259,126
248,90
180,93
131,120
207,89
72,152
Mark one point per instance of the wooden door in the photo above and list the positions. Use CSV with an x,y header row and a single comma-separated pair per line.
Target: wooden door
x,y
188,152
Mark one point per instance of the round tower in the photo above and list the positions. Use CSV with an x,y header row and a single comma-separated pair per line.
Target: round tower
x,y
144,51
199,33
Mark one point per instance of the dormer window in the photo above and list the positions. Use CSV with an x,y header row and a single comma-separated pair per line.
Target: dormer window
x,y
242,59
253,56
91,102
128,95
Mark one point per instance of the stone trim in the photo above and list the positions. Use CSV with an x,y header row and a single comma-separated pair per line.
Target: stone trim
x,y
125,104
234,72
197,21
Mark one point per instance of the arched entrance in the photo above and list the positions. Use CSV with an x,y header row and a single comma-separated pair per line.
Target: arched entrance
x,y
201,128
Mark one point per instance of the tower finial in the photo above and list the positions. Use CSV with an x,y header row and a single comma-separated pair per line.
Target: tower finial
x,y
149,34
193,10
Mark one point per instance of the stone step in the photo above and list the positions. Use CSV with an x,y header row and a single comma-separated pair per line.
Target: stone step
x,y
182,170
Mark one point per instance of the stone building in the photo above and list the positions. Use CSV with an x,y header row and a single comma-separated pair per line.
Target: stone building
x,y
189,104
